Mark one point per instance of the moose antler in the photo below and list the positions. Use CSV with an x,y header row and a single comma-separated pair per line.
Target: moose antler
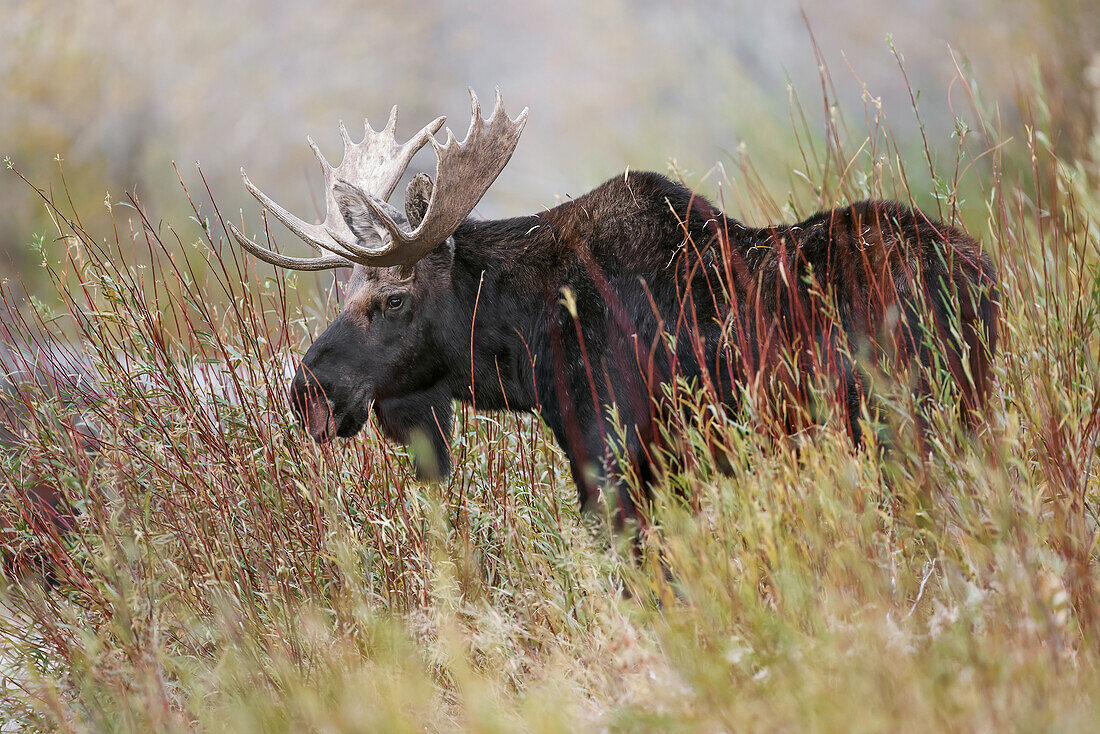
x,y
464,172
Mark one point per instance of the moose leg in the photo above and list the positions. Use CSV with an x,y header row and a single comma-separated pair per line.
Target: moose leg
x,y
581,437
570,437
622,472
586,450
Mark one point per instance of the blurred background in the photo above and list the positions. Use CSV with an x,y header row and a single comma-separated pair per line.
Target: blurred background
x,y
118,90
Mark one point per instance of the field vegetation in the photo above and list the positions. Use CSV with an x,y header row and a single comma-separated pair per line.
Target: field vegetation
x,y
223,573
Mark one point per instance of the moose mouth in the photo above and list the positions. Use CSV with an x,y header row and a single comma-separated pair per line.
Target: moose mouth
x,y
353,421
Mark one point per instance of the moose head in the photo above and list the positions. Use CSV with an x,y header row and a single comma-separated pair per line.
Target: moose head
x,y
382,348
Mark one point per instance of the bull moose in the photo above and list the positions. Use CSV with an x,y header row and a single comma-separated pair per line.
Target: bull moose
x,y
593,307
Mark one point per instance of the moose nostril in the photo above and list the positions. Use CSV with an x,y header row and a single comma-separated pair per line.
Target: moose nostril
x,y
313,408
319,420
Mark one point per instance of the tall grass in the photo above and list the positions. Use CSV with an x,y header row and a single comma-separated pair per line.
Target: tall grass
x,y
224,573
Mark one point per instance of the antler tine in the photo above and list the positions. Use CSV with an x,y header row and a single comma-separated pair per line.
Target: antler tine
x,y
498,107
311,234
325,165
475,109
291,263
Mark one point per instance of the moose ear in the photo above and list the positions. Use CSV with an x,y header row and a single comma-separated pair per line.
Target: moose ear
x,y
355,210
417,196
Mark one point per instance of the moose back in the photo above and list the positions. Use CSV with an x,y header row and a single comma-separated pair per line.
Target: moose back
x,y
599,302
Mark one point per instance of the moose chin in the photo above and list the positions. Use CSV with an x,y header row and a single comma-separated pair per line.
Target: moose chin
x,y
597,304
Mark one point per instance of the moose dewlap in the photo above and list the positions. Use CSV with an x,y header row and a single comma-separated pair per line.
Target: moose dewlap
x,y
598,303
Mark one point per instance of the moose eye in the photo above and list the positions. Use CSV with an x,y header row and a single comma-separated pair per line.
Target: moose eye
x,y
394,302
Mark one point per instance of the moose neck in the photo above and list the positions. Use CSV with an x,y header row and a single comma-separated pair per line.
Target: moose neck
x,y
486,333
